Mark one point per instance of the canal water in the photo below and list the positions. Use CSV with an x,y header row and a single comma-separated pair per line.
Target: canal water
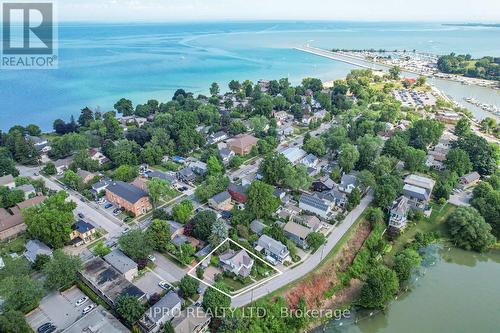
x,y
454,291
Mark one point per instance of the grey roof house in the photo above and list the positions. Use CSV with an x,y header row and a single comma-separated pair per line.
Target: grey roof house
x,y
122,264
164,310
418,190
297,233
274,250
348,182
186,175
315,205
399,213
34,248
257,227
239,263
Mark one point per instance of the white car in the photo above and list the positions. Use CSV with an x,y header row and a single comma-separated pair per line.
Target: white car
x,y
152,258
164,285
82,301
88,308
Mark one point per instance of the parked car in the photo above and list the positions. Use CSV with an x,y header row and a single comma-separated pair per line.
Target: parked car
x,y
88,308
127,229
80,215
199,291
152,258
44,328
126,219
164,285
82,301
108,205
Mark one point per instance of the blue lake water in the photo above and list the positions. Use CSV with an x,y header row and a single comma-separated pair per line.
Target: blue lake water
x,y
99,63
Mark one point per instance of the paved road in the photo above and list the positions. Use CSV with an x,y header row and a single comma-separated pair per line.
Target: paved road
x,y
167,270
106,221
310,263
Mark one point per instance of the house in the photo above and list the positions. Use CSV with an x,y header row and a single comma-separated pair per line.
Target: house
x,y
198,167
274,250
323,184
335,197
41,144
34,248
166,176
7,181
418,190
238,192
310,161
107,282
82,233
188,321
85,175
221,201
217,137
310,221
11,223
168,307
242,144
226,155
129,197
63,164
100,186
238,263
279,193
294,154
399,213
348,182
98,320
123,264
297,233
186,175
315,205
469,180
288,211
448,117
179,159
176,229
96,155
28,189
285,130
11,220
257,227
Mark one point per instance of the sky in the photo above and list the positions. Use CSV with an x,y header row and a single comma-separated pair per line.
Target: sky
x,y
213,10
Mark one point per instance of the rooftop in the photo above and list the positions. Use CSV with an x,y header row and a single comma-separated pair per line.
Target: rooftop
x,y
272,245
82,226
5,180
420,181
243,141
221,197
98,320
313,201
120,261
297,229
126,191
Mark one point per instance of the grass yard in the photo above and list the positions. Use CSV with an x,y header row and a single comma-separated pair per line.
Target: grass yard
x,y
15,245
435,223
234,284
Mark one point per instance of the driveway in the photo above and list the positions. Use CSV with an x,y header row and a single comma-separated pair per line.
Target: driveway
x,y
149,283
309,263
168,270
461,199
59,309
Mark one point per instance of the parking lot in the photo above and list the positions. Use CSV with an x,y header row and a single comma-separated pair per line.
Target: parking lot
x,y
149,283
59,309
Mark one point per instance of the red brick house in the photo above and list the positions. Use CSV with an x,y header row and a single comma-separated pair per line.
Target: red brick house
x,y
238,192
128,197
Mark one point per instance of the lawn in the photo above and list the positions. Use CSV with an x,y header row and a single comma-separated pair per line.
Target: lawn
x,y
234,284
15,245
435,223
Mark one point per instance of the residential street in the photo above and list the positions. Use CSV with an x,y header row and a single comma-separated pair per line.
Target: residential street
x,y
310,263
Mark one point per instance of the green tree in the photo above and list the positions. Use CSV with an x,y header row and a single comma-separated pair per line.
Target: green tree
x,y
203,224
261,200
126,173
182,211
14,322
71,179
353,199
315,146
52,220
61,271
274,169
214,89
457,160
414,159
234,86
394,72
348,157
468,230
404,262
20,293
462,128
100,249
380,287
158,234
296,177
215,301
157,188
218,233
188,286
135,244
315,240
49,169
214,166
129,308
124,106
369,148
425,132
482,155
